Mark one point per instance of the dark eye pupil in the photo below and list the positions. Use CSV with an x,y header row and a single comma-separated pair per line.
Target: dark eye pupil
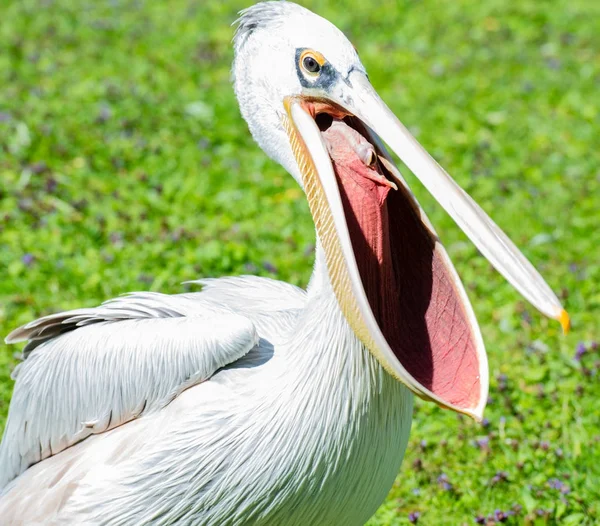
x,y
311,65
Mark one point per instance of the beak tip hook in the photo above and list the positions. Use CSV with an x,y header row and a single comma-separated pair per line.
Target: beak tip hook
x,y
565,321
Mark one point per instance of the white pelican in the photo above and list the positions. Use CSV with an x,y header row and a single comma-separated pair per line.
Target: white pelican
x,y
253,401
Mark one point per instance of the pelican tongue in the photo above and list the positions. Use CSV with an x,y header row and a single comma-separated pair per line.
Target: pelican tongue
x,y
412,289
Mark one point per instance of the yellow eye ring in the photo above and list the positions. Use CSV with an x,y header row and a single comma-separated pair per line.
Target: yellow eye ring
x,y
311,62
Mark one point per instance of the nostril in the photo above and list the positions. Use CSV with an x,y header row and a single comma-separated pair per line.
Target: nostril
x,y
324,121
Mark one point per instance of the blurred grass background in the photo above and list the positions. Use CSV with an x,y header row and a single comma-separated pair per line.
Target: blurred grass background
x,y
124,165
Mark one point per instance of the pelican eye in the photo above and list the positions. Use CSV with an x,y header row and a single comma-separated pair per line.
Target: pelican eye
x,y
311,62
311,65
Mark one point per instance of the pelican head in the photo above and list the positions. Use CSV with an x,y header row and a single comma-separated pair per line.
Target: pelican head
x,y
309,104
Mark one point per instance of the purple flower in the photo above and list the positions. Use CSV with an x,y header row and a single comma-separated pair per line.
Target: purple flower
x,y
540,391
555,483
104,114
500,516
413,516
145,278
116,238
502,382
485,422
482,443
444,482
269,267
558,484
27,259
51,185
479,519
579,351
500,476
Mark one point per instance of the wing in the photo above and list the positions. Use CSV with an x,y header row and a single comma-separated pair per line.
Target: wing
x,y
89,370
272,305
252,294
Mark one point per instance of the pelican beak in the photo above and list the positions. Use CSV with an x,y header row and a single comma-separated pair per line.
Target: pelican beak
x,y
391,275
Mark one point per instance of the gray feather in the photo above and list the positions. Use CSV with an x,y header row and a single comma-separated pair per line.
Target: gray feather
x,y
259,16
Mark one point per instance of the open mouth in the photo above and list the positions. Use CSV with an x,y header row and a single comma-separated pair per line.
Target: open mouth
x,y
392,277
403,272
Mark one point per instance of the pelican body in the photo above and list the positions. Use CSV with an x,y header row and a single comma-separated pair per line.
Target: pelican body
x,y
254,401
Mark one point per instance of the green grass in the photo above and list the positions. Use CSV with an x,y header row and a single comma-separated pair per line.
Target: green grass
x,y
124,165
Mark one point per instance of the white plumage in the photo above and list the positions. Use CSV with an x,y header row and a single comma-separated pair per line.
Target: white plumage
x,y
306,428
128,357
253,401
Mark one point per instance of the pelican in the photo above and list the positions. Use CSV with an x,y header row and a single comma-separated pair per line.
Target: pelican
x,y
254,401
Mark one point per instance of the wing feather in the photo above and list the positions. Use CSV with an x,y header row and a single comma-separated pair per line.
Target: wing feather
x,y
89,370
